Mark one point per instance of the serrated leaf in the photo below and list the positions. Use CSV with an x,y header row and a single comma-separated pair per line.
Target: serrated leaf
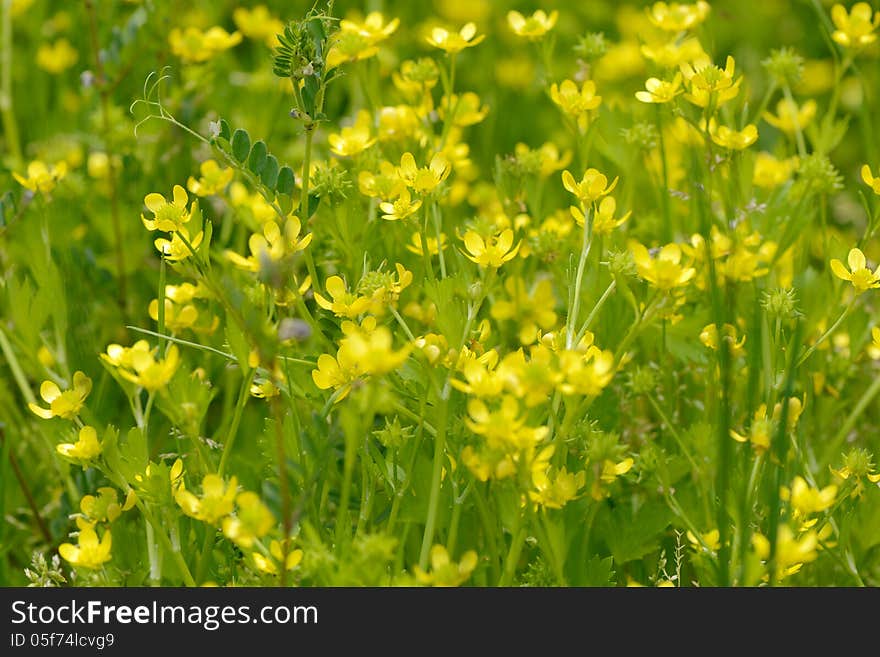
x,y
269,174
257,158
241,144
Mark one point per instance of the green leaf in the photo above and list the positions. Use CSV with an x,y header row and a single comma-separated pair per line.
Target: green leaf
x,y
597,572
286,181
314,201
269,175
241,144
225,130
257,158
237,343
632,534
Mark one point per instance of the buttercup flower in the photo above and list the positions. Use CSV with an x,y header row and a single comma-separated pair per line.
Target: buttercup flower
x,y
735,140
493,251
677,17
856,28
660,91
89,552
213,181
42,177
533,27
591,188
870,180
56,57
455,42
862,278
215,503
85,448
664,272
444,571
167,216
194,46
67,404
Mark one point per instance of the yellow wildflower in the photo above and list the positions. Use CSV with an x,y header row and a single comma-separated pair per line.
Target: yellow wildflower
x,y
215,503
444,571
213,181
176,248
792,551
531,308
85,448
708,83
42,177
709,337
194,46
67,404
807,500
139,365
660,91
789,117
353,140
401,208
273,244
493,251
862,278
257,23
503,428
856,28
344,303
664,272
270,566
57,57
604,222
676,17
735,140
167,216
415,245
533,27
424,179
252,520
575,102
105,506
591,188
770,172
454,42
870,180
89,552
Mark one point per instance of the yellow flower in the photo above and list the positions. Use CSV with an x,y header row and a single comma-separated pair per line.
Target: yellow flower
x,y
770,172
576,102
401,208
735,140
874,347
383,185
67,404
139,365
85,448
870,180
415,245
424,179
792,551
707,82
258,23
660,91
176,248
105,506
374,28
455,42
483,380
709,337
586,371
167,216
57,57
89,552
466,109
710,540
345,303
353,140
444,571
608,474
504,428
270,566
862,278
664,272
251,521
672,54
676,17
42,177
272,245
493,251
789,117
555,489
194,46
591,188
533,27
531,308
213,181
604,222
856,29
807,500
215,503
365,350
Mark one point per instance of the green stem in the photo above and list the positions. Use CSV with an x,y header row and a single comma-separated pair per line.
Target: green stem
x,y
10,126
840,437
595,311
579,279
826,334
232,432
436,476
675,433
664,192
